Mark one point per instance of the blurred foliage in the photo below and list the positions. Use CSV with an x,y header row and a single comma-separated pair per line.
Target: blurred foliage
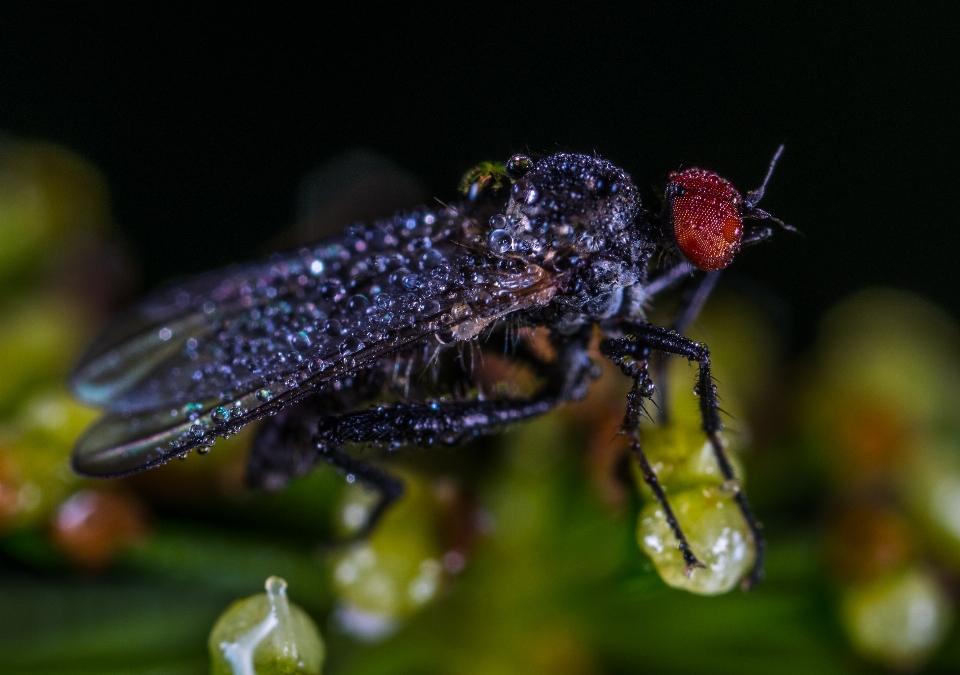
x,y
523,553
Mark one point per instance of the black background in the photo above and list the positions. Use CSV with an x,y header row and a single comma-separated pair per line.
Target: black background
x,y
204,123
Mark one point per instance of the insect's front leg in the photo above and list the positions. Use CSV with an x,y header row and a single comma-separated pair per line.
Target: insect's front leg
x,y
634,360
691,304
639,341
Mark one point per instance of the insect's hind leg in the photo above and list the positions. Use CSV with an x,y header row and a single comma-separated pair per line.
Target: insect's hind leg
x,y
389,487
640,340
287,445
446,422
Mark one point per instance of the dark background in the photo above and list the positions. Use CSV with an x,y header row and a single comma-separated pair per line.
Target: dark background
x,y
204,123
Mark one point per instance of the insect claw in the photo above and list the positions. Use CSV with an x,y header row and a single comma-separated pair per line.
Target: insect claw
x,y
693,567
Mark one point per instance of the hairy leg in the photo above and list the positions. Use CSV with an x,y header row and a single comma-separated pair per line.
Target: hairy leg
x,y
636,346
635,364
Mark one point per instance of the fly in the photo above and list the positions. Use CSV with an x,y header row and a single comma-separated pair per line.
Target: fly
x,y
309,339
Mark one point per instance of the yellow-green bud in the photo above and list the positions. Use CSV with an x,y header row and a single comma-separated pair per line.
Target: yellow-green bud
x,y
898,619
266,635
716,531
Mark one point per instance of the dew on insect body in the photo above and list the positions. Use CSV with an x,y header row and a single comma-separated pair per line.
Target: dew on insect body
x,y
358,303
431,259
499,241
350,346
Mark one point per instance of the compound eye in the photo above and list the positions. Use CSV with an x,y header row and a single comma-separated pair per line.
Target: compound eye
x,y
707,224
518,166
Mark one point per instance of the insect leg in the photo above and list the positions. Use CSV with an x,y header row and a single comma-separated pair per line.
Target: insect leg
x,y
633,360
640,340
424,424
390,488
287,446
690,306
446,422
282,448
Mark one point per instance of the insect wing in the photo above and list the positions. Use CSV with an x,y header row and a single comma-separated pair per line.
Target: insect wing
x,y
205,358
155,332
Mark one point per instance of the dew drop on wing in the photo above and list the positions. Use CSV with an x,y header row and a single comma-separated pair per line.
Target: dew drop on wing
x,y
211,355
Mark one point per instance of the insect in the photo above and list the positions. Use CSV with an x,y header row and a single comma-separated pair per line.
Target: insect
x,y
311,340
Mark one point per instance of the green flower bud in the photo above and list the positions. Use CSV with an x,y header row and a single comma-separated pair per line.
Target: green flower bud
x,y
39,340
716,531
394,572
266,635
931,489
682,457
898,619
35,474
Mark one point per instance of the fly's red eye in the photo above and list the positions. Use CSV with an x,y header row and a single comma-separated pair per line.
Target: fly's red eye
x,y
707,224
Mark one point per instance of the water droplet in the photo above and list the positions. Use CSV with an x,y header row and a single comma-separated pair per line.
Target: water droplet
x,y
531,244
397,276
429,307
499,241
518,166
299,340
431,259
358,303
220,415
350,345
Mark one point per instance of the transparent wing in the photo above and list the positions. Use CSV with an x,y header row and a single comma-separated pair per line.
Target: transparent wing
x,y
204,358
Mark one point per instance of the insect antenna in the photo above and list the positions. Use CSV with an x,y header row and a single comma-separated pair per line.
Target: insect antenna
x,y
753,197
